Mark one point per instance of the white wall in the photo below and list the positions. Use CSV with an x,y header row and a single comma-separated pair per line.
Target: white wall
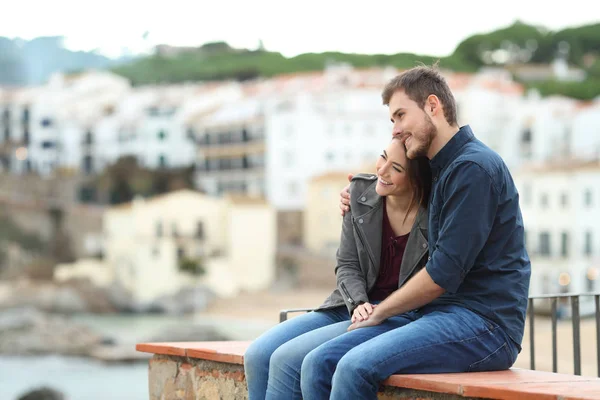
x,y
340,130
575,218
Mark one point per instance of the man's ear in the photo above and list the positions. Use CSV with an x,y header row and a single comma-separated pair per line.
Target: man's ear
x,y
432,105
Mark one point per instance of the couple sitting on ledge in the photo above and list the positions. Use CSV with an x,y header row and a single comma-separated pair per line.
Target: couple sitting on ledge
x,y
432,272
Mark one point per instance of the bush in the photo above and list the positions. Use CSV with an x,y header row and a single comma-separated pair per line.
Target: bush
x,y
193,266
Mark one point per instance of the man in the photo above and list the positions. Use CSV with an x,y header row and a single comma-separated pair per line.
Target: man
x,y
465,311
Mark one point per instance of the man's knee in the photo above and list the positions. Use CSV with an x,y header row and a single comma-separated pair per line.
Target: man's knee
x,y
352,369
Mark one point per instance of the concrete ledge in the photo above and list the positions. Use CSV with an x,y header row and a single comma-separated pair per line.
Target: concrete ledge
x,y
214,370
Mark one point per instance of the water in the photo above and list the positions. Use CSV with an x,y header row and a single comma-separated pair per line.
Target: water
x,y
88,379
77,378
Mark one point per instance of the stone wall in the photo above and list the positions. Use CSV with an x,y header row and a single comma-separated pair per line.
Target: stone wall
x,y
184,378
180,378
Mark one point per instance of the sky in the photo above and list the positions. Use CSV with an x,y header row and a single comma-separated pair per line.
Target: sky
x,y
376,26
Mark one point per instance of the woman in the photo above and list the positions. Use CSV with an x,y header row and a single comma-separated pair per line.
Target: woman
x,y
383,243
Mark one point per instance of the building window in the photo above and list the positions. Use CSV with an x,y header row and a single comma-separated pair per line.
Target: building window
x,y
564,244
156,252
564,199
159,229
162,135
545,244
89,137
544,200
180,253
26,136
237,163
205,139
48,144
199,230
174,230
526,140
329,156
162,161
587,198
588,249
46,122
191,135
88,165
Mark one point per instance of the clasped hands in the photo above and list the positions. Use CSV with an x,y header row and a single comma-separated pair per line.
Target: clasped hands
x,y
363,316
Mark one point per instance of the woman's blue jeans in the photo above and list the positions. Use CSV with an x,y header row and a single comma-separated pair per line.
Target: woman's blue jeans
x,y
312,356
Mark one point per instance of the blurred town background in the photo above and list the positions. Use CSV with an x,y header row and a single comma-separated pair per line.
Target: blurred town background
x,y
175,190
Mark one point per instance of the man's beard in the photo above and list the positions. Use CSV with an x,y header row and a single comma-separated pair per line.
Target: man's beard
x,y
422,141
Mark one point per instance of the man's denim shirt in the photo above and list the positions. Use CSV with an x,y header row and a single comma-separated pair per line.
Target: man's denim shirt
x,y
476,235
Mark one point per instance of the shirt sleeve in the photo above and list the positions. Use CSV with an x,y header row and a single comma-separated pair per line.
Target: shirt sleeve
x,y
467,214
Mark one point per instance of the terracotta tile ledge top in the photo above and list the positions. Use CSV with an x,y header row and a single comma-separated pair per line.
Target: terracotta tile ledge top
x,y
511,384
227,352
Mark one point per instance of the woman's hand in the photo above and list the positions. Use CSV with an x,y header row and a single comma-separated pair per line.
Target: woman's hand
x,y
374,320
362,312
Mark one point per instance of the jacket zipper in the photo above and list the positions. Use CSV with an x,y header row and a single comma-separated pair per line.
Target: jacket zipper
x,y
350,299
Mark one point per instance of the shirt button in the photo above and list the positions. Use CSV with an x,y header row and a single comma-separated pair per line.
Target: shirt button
x,y
428,258
424,245
435,178
360,221
363,198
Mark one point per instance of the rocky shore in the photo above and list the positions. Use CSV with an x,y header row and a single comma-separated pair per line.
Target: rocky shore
x,y
35,319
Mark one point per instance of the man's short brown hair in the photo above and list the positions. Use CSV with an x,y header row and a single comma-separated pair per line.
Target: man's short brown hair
x,y
420,82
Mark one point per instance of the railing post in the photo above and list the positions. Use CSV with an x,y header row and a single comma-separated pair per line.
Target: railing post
x,y
554,301
531,334
576,334
597,301
282,316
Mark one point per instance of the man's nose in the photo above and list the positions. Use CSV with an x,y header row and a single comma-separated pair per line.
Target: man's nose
x,y
397,131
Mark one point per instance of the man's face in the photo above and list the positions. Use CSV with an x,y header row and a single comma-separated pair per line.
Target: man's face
x,y
411,124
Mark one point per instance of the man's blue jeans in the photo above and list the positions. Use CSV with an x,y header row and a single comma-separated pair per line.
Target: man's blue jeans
x,y
329,362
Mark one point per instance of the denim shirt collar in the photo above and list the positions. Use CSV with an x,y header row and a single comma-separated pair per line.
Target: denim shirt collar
x,y
448,152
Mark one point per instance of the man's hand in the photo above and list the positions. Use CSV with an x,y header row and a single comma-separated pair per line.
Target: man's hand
x,y
345,197
362,312
373,320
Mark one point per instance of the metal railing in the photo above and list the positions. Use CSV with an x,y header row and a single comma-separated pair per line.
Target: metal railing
x,y
575,317
576,323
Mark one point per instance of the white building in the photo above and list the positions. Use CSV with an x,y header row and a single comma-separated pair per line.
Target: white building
x,y
490,102
273,144
149,243
47,124
152,124
585,131
560,202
